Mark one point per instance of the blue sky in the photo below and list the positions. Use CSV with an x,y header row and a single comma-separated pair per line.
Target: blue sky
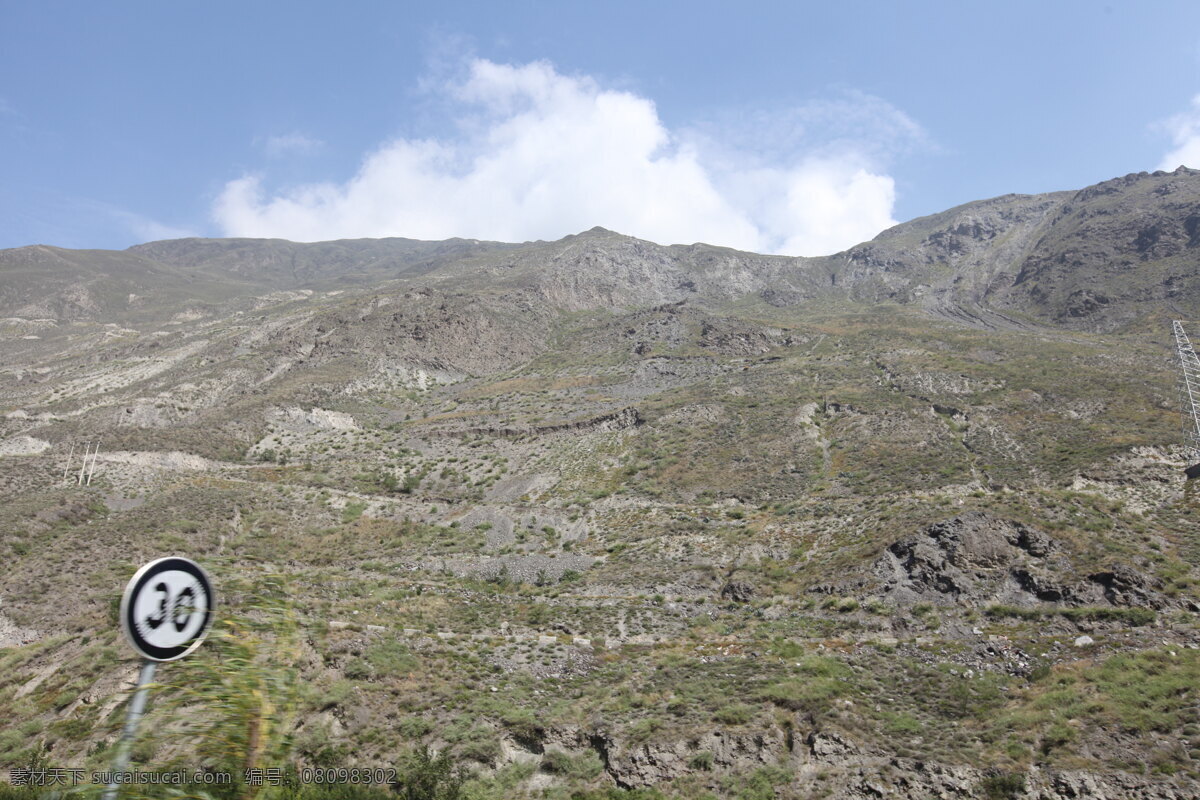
x,y
781,127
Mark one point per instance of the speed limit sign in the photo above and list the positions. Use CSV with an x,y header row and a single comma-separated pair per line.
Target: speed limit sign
x,y
167,608
166,612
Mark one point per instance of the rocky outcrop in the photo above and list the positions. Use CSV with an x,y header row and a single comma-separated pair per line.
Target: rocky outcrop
x,y
23,446
1076,260
903,778
12,635
977,559
611,422
738,591
532,568
834,764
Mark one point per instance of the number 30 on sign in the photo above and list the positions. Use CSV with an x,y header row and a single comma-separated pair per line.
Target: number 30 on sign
x,y
167,608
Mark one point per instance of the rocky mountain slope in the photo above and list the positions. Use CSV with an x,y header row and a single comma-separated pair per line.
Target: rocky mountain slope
x,y
598,515
1097,259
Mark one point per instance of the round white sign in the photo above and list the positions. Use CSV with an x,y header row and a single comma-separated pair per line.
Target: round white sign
x,y
167,608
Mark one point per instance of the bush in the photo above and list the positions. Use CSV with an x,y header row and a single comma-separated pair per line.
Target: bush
x,y
734,714
357,670
758,785
353,511
822,679
237,696
585,766
521,723
1003,786
317,746
391,658
429,777
556,762
415,727
1136,617
897,724
481,746
1056,736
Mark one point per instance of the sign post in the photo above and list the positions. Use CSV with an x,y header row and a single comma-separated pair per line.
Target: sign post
x,y
166,612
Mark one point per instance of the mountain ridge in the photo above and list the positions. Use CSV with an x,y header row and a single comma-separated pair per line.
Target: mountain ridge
x,y
1058,258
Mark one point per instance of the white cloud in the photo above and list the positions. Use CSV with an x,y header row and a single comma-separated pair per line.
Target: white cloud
x,y
832,204
540,154
291,144
1185,135
147,229
854,124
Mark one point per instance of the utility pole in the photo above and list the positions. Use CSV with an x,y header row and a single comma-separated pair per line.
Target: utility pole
x,y
67,468
83,464
1189,397
93,469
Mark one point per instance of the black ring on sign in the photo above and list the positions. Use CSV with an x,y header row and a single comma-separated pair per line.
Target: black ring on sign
x,y
139,580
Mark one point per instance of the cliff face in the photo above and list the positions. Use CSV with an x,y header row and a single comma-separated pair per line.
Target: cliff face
x,y
1095,259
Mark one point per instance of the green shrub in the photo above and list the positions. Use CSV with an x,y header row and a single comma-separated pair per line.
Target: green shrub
x,y
585,767
391,658
415,727
236,698
1056,736
758,785
1136,617
425,776
353,511
899,724
644,729
480,745
734,714
787,649
819,680
556,762
356,669
521,722
9,792
1003,786
317,746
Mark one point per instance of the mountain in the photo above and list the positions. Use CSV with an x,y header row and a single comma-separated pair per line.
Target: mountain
x,y
1096,259
598,515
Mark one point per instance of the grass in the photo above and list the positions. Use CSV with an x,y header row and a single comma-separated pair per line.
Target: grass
x,y
716,483
1002,786
817,679
1136,617
1150,693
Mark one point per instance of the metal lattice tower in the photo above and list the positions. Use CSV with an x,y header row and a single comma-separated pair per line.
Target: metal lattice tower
x,y
1189,397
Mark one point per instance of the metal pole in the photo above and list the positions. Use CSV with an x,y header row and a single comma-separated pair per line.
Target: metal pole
x,y
83,466
91,471
136,706
1189,394
67,468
